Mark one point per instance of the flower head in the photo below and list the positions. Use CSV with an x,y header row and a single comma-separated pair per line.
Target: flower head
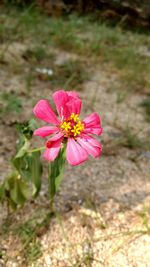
x,y
68,127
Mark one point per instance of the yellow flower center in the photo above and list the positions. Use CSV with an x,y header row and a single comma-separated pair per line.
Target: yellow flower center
x,y
72,126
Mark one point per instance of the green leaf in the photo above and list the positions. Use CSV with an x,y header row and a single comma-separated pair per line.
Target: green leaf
x,y
24,188
14,190
56,170
22,166
23,149
32,125
20,161
19,190
35,172
26,129
30,169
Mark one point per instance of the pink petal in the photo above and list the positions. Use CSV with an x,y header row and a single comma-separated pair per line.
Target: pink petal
x,y
72,94
90,144
93,130
75,153
56,137
66,103
51,153
93,124
92,120
45,131
74,106
60,99
53,146
43,111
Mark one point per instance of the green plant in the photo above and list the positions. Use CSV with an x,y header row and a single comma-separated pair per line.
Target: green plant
x,y
29,232
27,169
10,102
36,54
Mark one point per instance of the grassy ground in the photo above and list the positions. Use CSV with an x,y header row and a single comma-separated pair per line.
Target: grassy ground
x,y
100,206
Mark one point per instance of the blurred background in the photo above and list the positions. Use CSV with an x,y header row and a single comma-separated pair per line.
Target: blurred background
x,y
101,49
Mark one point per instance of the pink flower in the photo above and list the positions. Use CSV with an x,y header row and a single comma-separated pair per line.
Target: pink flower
x,y
68,127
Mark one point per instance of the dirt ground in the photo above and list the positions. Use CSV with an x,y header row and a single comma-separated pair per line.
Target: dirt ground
x,y
103,206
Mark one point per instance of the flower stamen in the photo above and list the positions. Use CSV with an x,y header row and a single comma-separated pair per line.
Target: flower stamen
x,y
72,126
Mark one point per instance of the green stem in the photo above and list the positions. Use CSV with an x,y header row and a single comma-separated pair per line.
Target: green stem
x,y
56,170
36,149
51,188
